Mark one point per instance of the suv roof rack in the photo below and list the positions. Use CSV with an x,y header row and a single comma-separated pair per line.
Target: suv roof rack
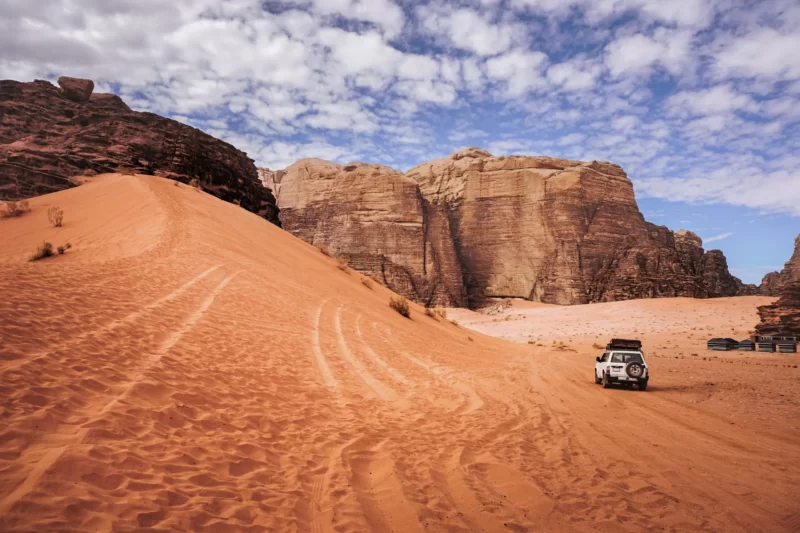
x,y
624,344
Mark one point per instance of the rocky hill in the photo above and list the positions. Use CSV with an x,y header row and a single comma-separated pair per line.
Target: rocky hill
x,y
49,135
783,317
470,227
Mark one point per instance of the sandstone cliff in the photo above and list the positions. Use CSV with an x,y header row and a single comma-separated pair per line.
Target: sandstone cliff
x,y
374,217
783,317
771,284
49,135
471,227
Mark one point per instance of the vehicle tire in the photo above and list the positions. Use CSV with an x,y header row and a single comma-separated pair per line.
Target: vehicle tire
x,y
642,386
606,383
596,379
634,370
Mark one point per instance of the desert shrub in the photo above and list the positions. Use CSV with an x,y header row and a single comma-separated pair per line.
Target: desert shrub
x,y
441,311
195,183
454,322
324,249
125,171
400,304
342,265
15,209
598,346
45,250
366,282
430,313
471,339
56,216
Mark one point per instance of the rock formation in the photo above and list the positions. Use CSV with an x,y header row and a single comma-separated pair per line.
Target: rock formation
x,y
49,135
373,216
771,284
471,227
783,317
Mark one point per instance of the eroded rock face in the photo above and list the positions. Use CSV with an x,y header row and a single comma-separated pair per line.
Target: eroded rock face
x,y
373,216
771,284
477,227
49,135
783,317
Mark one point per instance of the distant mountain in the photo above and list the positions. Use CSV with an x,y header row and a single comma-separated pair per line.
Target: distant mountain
x,y
783,317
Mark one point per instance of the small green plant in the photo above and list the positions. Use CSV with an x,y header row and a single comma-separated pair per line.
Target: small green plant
x,y
366,282
45,250
400,304
56,216
15,209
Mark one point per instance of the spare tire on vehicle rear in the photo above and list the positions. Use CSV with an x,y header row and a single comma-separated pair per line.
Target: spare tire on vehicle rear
x,y
634,370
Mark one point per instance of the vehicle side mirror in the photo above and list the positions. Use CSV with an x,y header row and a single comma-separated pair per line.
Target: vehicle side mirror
x,y
597,359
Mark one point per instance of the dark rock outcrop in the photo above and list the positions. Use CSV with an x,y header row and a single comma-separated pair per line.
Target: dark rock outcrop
x,y
478,227
783,317
771,284
49,136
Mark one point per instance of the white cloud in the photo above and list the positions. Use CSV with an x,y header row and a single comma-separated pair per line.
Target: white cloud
x,y
711,101
468,29
640,53
519,70
719,237
764,52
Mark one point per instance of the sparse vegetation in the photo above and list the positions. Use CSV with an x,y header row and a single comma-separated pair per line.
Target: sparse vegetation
x,y
454,322
125,171
366,282
342,265
56,216
62,249
45,250
598,346
195,183
15,209
429,312
441,311
400,304
324,249
471,339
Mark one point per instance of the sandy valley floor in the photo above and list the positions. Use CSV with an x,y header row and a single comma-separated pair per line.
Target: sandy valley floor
x,y
186,366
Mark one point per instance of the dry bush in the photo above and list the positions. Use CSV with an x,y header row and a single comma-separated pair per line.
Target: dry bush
x,y
324,249
400,304
342,265
366,282
454,322
15,209
431,313
126,171
195,183
62,249
56,216
45,250
598,346
441,311
471,339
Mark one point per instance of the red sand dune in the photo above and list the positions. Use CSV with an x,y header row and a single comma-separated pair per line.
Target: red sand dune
x,y
187,366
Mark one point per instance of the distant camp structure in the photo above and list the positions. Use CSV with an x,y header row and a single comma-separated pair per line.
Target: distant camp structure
x,y
761,343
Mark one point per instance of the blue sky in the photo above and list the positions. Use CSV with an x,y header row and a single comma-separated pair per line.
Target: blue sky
x,y
698,100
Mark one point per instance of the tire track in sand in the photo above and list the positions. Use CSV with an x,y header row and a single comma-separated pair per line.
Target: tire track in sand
x,y
316,347
381,391
44,456
114,324
390,370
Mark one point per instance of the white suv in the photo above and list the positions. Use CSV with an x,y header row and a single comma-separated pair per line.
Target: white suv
x,y
623,362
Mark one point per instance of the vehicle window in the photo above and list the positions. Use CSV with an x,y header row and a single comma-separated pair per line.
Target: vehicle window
x,y
626,358
604,358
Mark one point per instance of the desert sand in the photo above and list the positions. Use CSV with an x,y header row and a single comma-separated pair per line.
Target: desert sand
x,y
187,366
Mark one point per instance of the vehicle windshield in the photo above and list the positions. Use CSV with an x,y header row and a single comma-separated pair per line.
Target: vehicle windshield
x,y
626,357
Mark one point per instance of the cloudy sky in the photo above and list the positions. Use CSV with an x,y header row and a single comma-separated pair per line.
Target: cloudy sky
x,y
699,100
